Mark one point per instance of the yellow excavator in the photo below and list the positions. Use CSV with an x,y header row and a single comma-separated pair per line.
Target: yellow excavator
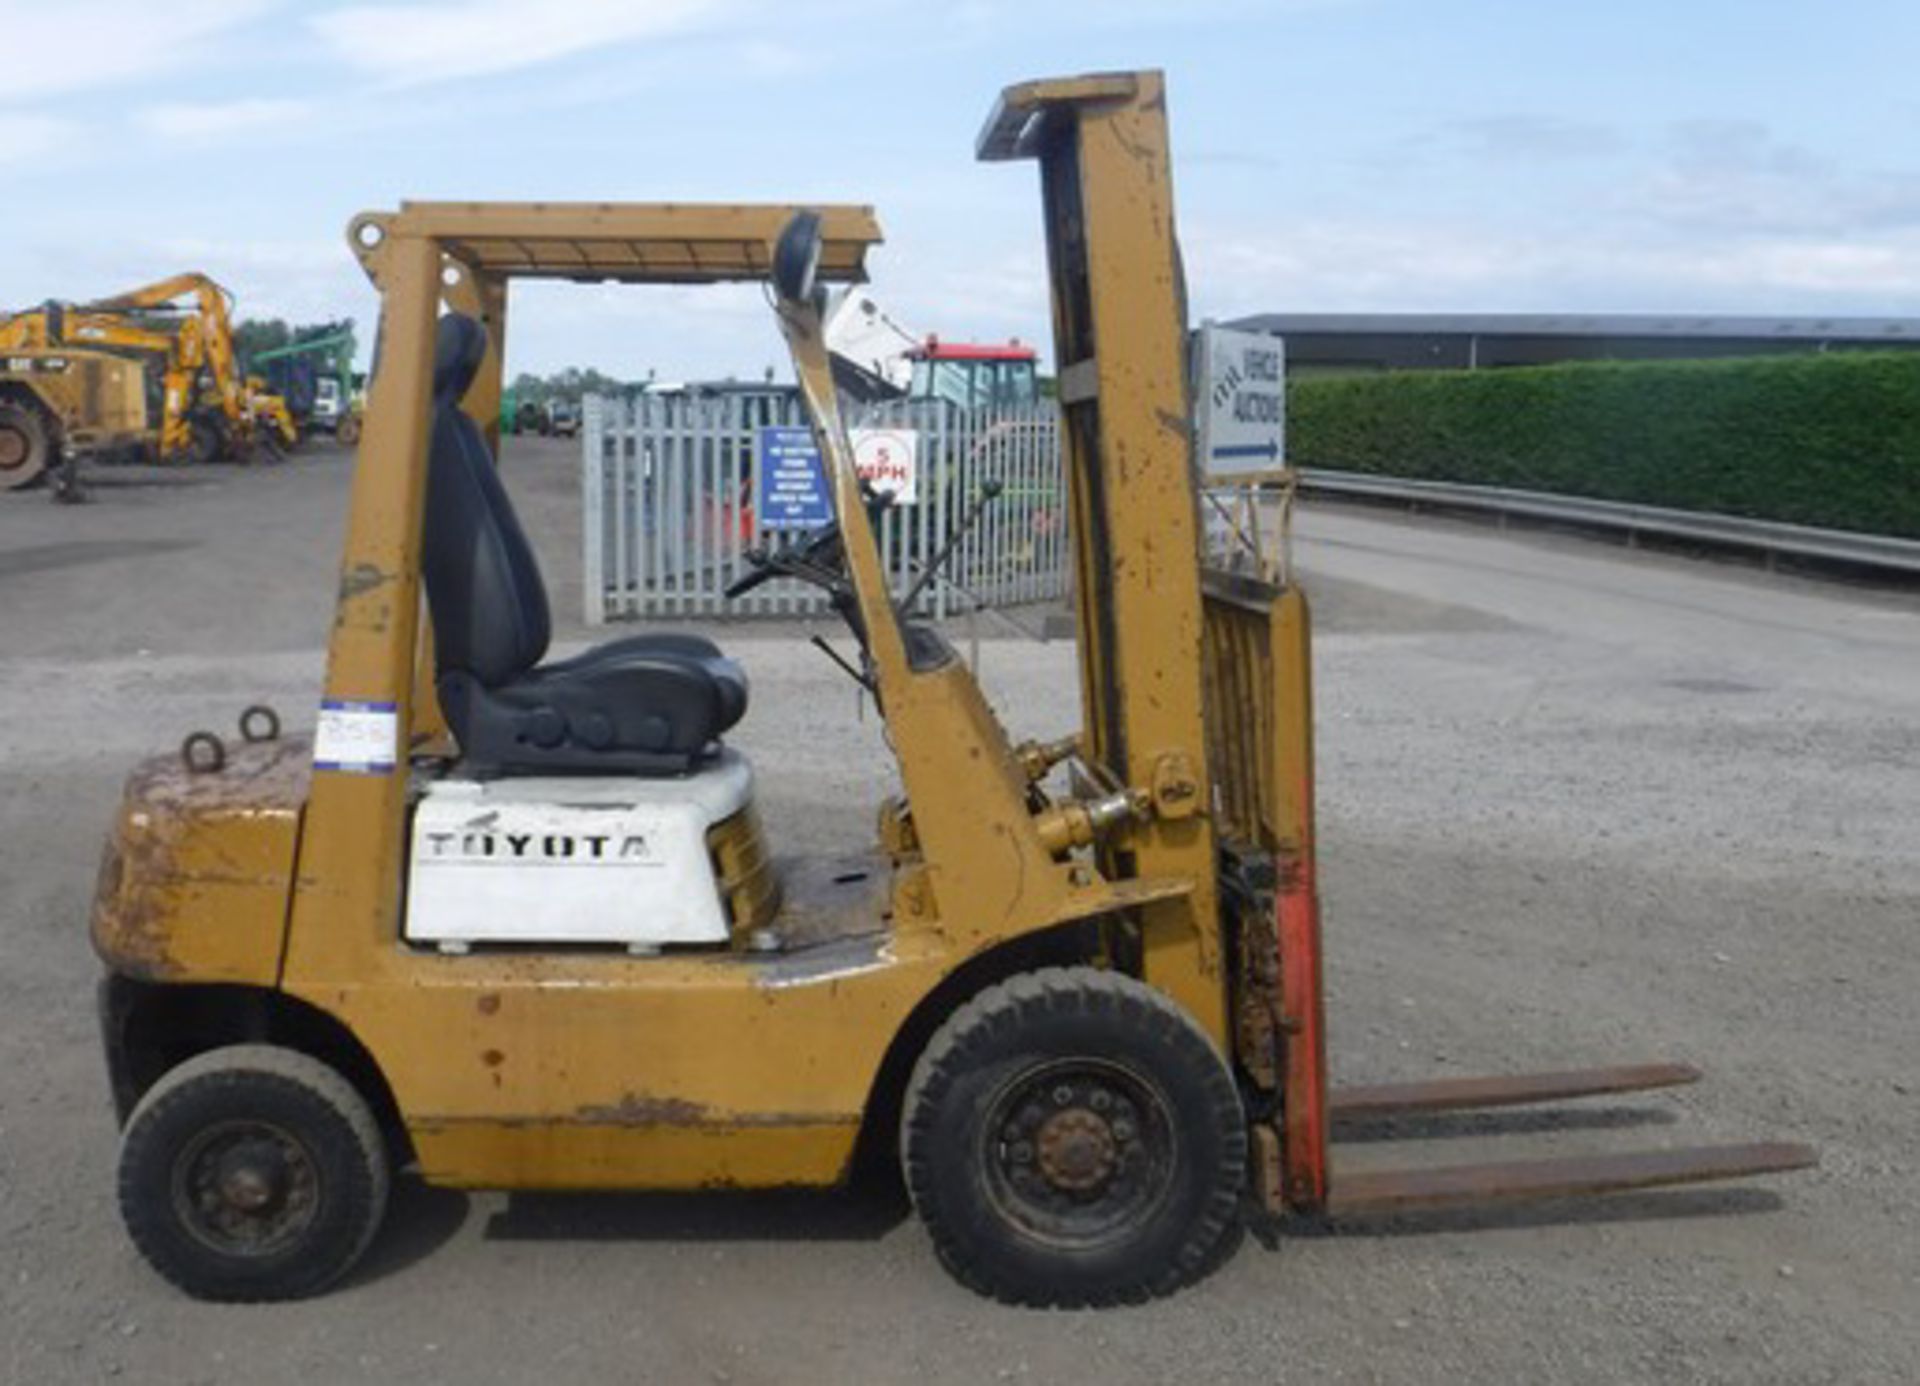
x,y
211,409
138,373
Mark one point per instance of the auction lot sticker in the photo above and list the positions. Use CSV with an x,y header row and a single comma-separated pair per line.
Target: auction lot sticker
x,y
356,737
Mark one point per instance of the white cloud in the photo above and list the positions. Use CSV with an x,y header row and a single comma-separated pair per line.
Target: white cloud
x,y
408,44
1733,177
765,58
1531,136
1872,269
25,136
201,120
80,45
1363,265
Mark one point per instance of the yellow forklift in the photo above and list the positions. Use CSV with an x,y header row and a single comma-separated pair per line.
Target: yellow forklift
x,y
514,922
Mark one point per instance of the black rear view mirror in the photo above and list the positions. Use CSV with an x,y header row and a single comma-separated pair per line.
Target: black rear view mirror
x,y
796,257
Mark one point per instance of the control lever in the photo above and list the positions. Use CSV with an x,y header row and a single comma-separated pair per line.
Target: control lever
x,y
989,491
820,643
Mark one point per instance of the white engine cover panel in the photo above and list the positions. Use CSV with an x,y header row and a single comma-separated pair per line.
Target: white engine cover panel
x,y
572,859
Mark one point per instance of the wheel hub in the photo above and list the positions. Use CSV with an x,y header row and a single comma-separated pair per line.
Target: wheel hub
x,y
1081,1150
246,1188
252,1179
13,448
1077,1149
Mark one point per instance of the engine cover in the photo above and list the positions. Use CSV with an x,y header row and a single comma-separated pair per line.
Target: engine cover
x,y
572,860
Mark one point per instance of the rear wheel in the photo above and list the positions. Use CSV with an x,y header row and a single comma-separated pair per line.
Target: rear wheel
x,y
1070,1138
206,442
26,445
347,432
252,1173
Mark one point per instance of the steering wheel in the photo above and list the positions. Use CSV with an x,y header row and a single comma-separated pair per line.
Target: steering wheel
x,y
813,557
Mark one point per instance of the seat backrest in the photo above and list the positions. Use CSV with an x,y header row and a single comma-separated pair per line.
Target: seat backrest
x,y
490,616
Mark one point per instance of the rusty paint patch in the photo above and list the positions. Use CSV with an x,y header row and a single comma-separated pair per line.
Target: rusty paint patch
x,y
266,777
129,917
493,1058
361,579
643,1109
160,891
488,1004
638,1109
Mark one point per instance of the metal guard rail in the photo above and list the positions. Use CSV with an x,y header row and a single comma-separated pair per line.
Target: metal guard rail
x,y
1768,537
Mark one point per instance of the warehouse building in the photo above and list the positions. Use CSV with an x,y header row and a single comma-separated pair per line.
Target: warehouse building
x,y
1340,343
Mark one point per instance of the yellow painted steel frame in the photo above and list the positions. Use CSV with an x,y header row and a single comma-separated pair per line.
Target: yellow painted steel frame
x,y
1119,331
587,1070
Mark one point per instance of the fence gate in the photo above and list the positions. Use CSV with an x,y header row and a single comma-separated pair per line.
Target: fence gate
x,y
672,496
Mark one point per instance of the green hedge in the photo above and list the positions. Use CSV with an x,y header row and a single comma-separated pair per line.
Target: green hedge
x,y
1828,439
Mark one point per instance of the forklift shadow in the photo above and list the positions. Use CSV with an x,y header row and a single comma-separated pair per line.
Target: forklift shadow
x,y
420,1220
859,1213
1649,1206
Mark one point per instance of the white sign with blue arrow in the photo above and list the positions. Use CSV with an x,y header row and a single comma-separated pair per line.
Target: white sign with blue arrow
x,y
1241,403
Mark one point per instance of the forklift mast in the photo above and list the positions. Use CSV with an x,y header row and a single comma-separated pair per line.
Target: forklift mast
x,y
1188,676
1107,198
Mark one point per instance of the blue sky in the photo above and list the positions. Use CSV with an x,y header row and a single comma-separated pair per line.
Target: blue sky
x,y
1691,155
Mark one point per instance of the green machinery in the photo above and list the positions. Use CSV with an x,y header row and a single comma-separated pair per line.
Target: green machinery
x,y
323,396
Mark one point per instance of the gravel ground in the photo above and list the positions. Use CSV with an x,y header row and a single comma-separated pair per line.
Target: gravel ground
x,y
1578,806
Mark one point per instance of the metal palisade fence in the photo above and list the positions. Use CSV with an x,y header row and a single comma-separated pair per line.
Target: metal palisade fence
x,y
676,488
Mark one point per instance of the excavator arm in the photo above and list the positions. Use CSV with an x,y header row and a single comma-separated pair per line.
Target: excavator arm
x,y
204,340
213,342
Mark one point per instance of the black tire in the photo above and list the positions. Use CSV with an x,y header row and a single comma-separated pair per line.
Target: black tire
x,y
1071,1138
252,1173
207,443
26,445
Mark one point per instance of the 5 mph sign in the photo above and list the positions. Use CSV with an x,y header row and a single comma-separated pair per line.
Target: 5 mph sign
x,y
1241,404
888,459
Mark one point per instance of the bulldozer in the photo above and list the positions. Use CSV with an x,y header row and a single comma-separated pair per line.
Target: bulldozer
x,y
62,400
514,922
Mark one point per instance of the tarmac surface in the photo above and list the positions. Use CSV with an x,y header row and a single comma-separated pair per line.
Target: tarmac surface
x,y
1578,805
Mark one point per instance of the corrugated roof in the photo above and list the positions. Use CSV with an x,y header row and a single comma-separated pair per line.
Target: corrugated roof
x,y
1850,329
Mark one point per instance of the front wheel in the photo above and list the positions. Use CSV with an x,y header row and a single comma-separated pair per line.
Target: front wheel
x,y
1071,1138
207,443
26,445
252,1173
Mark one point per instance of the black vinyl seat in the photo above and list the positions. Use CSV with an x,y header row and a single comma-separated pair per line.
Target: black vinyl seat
x,y
652,704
